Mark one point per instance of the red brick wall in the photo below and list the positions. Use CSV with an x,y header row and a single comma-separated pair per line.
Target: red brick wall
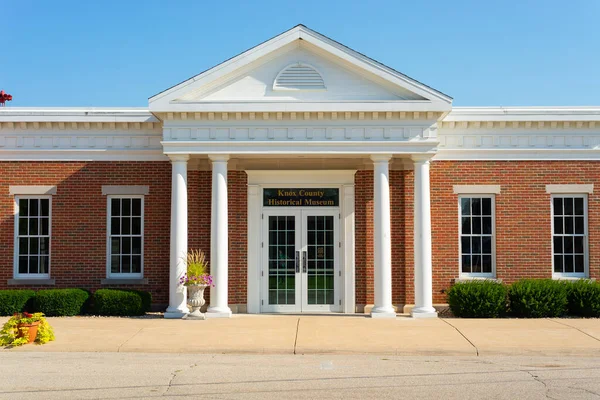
x,y
199,215
523,226
78,243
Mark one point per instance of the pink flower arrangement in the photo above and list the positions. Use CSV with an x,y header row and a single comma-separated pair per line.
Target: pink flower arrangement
x,y
204,279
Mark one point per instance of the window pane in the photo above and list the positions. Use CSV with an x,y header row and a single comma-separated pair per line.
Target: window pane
x,y
115,245
578,244
126,264
558,265
114,264
23,263
487,225
136,207
579,206
33,226
569,225
558,244
466,225
558,206
568,202
466,264
34,209
115,226
125,226
34,245
126,243
45,207
476,206
136,245
23,225
44,226
476,225
476,263
579,225
568,242
33,264
465,244
44,263
23,246
568,260
136,226
486,206
487,264
558,225
23,207
125,207
115,207
465,206
45,245
136,264
486,245
476,242
579,265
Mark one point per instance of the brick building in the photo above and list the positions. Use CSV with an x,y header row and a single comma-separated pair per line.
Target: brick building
x,y
316,180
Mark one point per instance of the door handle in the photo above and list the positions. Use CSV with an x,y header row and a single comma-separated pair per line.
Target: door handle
x,y
297,262
304,261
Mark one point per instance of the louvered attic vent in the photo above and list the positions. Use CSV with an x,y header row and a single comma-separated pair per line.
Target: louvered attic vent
x,y
299,77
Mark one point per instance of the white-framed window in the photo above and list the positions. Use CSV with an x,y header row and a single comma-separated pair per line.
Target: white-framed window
x,y
125,243
33,231
569,235
476,235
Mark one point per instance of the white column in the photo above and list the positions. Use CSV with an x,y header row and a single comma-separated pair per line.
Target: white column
x,y
253,260
219,240
382,239
179,237
349,248
422,237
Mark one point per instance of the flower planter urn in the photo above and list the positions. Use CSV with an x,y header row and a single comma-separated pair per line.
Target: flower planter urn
x,y
28,330
196,301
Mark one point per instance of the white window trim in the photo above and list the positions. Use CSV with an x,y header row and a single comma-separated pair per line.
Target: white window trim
x,y
586,269
125,190
16,273
476,189
570,189
479,275
109,274
31,190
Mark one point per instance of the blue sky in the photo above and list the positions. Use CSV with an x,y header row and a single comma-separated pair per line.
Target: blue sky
x,y
119,53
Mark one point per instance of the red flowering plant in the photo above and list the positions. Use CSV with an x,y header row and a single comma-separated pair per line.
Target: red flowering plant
x,y
196,273
15,331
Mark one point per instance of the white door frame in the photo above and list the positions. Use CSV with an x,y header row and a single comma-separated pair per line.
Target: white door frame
x,y
342,179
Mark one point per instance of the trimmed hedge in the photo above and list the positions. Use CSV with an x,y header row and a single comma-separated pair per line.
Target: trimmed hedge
x,y
584,298
478,299
121,302
61,302
13,301
538,298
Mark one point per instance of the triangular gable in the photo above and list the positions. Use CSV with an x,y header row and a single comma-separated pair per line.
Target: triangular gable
x,y
302,56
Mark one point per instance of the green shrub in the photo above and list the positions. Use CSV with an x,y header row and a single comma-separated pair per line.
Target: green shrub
x,y
14,301
538,298
61,302
478,299
584,298
121,302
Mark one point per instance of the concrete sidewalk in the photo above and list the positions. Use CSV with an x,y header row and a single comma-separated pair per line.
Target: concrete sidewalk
x,y
326,334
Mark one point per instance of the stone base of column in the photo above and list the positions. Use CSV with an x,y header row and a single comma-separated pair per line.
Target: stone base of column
x,y
175,314
383,312
218,313
424,312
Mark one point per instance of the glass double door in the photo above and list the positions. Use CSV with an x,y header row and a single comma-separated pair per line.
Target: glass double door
x,y
300,261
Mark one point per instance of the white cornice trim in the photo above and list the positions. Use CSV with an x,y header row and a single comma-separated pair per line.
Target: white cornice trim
x,y
460,114
82,155
76,114
517,155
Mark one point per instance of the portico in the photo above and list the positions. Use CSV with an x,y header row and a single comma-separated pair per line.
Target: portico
x,y
283,115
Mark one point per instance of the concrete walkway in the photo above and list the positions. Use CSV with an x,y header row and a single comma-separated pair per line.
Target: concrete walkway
x,y
327,334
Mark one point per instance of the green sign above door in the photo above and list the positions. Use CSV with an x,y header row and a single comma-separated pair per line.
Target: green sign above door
x,y
303,197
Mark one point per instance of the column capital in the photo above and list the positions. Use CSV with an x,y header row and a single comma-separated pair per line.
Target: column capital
x,y
421,158
179,157
381,158
218,157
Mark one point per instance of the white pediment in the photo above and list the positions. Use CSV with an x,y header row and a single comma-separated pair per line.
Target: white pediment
x,y
297,68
